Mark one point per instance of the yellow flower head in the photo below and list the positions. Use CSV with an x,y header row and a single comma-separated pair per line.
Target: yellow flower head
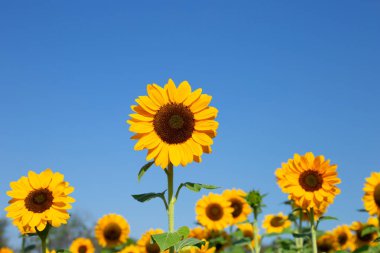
x,y
112,230
371,196
144,243
241,208
326,243
310,181
38,200
199,233
204,249
362,240
276,223
82,245
176,125
130,249
6,250
343,237
214,212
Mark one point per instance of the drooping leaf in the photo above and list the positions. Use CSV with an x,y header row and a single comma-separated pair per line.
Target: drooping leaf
x,y
148,196
144,169
361,249
242,242
188,242
322,218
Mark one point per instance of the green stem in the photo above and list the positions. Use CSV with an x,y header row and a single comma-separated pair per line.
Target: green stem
x,y
23,244
299,241
43,245
171,201
256,230
313,231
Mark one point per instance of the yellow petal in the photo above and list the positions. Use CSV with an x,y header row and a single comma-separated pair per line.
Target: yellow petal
x,y
200,104
149,103
183,91
208,113
155,95
192,97
45,178
163,157
206,125
202,138
141,127
34,180
174,155
171,90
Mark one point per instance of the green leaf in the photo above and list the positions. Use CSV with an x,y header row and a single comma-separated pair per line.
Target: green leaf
x,y
362,210
301,235
144,169
29,248
188,242
362,249
377,239
63,251
341,251
368,230
167,240
148,196
327,218
242,242
195,187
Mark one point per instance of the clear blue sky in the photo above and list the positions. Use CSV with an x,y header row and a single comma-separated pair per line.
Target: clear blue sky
x,y
286,76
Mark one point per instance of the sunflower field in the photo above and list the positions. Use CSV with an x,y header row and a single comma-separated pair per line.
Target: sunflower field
x,y
176,125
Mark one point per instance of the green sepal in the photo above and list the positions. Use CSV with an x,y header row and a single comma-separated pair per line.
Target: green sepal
x,y
144,169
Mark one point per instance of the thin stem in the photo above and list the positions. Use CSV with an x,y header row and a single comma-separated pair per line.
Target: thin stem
x,y
43,245
299,241
256,230
171,201
313,231
23,244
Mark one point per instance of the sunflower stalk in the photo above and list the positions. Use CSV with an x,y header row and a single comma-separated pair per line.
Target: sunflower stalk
x,y
313,231
23,244
299,241
43,235
256,230
171,201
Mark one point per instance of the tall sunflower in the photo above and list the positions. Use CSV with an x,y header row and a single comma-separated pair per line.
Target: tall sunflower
x,y
371,196
112,230
144,243
82,245
6,250
326,243
310,181
176,125
343,237
38,200
241,208
276,223
130,249
214,212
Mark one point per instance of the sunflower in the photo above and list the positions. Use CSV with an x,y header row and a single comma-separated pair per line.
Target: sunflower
x,y
205,248
144,243
276,223
112,230
343,237
199,233
38,200
130,249
241,207
82,245
6,250
248,232
310,181
326,243
362,240
371,196
214,212
174,124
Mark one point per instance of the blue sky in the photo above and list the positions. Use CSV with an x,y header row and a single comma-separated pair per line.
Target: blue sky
x,y
287,77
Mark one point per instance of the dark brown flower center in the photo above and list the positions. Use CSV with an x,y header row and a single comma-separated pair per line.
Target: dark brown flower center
x,y
152,248
366,238
112,232
174,123
214,212
277,221
325,246
342,238
376,195
82,249
310,180
237,206
39,200
248,233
